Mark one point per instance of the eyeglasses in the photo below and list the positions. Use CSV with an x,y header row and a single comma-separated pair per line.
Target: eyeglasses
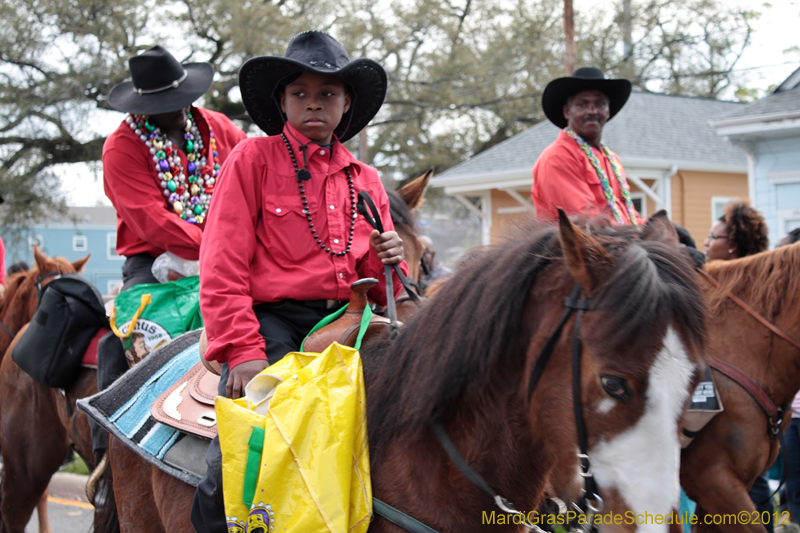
x,y
711,237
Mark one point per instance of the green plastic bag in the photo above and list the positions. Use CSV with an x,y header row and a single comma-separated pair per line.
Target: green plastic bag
x,y
148,316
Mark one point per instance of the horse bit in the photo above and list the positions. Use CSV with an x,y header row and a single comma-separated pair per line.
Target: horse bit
x,y
590,501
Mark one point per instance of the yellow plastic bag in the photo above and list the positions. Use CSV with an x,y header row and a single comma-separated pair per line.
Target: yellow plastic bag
x,y
303,463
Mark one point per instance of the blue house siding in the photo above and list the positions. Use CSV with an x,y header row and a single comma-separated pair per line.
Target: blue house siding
x,y
104,268
769,131
777,184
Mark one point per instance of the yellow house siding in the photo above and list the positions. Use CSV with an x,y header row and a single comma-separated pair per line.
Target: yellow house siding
x,y
691,198
502,222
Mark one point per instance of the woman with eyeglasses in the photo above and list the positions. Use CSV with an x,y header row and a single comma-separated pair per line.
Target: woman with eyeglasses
x,y
739,232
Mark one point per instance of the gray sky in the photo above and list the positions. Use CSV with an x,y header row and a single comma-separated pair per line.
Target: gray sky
x,y
763,64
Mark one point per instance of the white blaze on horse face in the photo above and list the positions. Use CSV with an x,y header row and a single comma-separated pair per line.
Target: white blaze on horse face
x,y
605,406
642,463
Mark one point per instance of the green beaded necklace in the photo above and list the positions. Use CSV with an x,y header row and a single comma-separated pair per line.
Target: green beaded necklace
x,y
608,192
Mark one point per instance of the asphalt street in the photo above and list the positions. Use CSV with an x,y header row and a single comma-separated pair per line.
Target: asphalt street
x,y
66,516
66,505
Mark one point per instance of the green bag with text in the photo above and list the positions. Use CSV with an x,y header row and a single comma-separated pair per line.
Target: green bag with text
x,y
148,316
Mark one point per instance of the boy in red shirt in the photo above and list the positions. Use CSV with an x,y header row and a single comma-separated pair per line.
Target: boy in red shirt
x,y
283,242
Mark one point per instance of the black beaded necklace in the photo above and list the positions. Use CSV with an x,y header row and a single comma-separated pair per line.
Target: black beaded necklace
x,y
303,175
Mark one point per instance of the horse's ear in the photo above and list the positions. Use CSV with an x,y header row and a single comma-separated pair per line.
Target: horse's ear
x,y
80,263
40,259
659,228
413,192
585,257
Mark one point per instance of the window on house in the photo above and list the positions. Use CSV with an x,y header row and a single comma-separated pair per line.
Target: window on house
x,y
111,248
113,285
79,243
638,201
35,240
718,204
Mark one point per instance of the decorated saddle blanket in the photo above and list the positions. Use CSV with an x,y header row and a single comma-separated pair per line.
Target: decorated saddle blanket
x,y
90,355
124,410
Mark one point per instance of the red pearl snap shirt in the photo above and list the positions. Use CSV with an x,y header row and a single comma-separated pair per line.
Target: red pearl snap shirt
x,y
258,245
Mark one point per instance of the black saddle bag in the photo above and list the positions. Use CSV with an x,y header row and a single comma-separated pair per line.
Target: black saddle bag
x,y
70,313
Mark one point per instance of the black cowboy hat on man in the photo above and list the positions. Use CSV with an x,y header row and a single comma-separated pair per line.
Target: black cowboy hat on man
x,y
262,78
160,84
558,92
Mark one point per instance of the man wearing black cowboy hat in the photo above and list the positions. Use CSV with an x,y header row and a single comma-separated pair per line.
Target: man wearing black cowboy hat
x,y
578,172
290,200
159,170
160,165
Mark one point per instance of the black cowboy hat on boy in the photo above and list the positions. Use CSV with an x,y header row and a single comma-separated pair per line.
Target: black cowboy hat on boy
x,y
261,79
160,84
558,91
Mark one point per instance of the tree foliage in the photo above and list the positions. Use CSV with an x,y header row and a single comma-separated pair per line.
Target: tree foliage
x,y
464,74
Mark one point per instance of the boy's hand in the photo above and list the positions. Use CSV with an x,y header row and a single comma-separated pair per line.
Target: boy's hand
x,y
389,246
240,376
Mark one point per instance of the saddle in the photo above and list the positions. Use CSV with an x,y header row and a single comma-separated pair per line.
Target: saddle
x,y
189,404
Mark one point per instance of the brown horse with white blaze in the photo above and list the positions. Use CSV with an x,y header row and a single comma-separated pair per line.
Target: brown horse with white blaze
x,y
467,360
723,461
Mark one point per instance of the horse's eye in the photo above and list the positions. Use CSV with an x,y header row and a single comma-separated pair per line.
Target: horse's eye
x,y
616,387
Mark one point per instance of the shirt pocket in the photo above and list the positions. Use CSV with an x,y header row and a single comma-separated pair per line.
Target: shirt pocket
x,y
288,235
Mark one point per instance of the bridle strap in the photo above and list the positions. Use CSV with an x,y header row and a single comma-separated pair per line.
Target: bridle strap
x,y
590,485
547,350
399,518
590,491
752,312
8,332
38,286
41,278
474,477
744,381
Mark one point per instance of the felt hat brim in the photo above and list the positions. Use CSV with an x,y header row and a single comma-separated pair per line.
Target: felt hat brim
x,y
198,80
558,91
260,77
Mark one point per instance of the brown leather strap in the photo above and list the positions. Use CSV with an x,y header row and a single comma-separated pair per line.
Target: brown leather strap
x,y
747,384
752,312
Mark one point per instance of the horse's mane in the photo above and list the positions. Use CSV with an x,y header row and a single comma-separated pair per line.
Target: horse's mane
x,y
763,280
463,343
401,214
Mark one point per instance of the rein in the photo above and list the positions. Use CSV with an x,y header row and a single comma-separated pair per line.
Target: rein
x,y
366,207
752,312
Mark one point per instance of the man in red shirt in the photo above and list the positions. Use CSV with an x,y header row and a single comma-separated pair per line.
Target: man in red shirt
x,y
160,168
578,172
290,201
161,164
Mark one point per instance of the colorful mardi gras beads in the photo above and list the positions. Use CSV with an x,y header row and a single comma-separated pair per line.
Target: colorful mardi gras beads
x,y
188,194
608,192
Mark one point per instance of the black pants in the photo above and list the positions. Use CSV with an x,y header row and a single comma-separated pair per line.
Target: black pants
x,y
283,325
111,361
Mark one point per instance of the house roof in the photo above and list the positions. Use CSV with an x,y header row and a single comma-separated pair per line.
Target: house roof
x,y
784,101
652,130
775,115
